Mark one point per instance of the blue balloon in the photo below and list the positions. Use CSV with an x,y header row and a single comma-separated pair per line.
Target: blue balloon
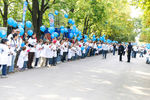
x,y
75,35
21,31
66,15
62,30
42,28
93,36
74,26
56,12
10,21
55,34
71,35
22,44
51,30
30,32
70,21
62,27
78,38
80,32
3,34
52,36
77,31
28,24
66,30
85,40
98,39
21,25
85,36
15,24
94,39
73,22
99,47
82,48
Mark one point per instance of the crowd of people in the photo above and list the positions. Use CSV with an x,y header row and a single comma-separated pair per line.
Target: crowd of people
x,y
19,53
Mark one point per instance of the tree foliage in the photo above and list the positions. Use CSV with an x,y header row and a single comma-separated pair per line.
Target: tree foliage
x,y
109,17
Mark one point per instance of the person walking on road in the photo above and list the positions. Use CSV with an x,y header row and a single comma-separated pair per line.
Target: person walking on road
x,y
120,51
129,49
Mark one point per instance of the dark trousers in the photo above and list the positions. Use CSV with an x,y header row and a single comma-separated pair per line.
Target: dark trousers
x,y
36,61
30,59
47,60
54,61
129,56
120,58
105,53
64,56
114,51
50,61
16,59
4,69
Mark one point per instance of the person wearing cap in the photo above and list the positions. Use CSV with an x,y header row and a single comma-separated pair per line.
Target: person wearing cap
x,y
4,51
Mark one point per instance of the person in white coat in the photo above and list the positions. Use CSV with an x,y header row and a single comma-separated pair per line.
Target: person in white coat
x,y
32,45
54,50
4,51
50,55
69,53
38,52
44,54
21,58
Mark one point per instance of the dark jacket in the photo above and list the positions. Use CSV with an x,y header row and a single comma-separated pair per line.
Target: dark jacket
x,y
129,48
120,49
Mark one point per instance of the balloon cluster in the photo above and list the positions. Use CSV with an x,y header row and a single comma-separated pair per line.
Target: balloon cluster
x,y
54,34
51,30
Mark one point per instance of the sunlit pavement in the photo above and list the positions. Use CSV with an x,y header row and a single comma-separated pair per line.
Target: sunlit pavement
x,y
87,79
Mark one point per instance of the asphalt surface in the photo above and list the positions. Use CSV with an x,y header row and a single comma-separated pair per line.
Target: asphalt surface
x,y
92,78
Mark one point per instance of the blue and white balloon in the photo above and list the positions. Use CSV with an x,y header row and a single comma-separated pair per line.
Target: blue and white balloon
x,y
28,24
30,32
42,28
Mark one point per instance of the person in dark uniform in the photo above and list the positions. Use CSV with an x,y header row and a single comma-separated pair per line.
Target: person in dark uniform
x,y
120,51
129,52
114,49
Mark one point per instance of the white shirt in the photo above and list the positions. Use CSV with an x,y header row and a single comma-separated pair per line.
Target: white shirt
x,y
38,50
32,42
54,49
4,51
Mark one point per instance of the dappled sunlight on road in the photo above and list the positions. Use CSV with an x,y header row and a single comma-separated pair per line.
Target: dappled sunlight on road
x,y
138,90
88,79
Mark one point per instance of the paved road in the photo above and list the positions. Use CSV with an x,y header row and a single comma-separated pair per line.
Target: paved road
x,y
88,79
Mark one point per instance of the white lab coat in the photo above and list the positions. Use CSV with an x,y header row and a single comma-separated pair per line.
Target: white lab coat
x,y
32,42
49,52
44,50
21,59
38,51
69,54
54,50
4,51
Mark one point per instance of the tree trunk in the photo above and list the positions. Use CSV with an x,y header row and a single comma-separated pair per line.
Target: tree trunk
x,y
85,25
35,9
4,15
